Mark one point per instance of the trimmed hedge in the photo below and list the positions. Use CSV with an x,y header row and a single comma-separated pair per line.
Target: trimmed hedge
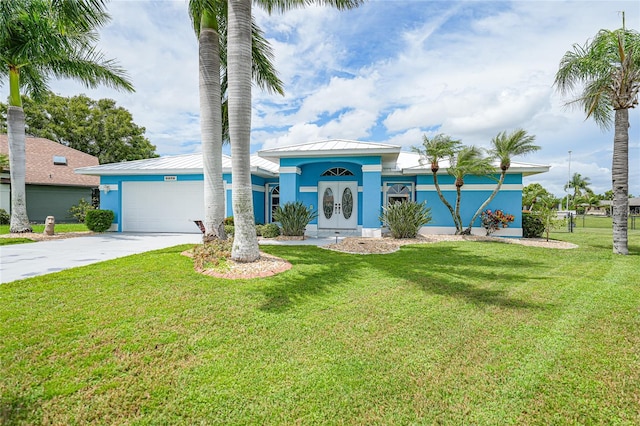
x,y
270,230
99,220
532,226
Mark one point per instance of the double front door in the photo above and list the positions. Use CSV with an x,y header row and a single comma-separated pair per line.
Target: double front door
x,y
338,204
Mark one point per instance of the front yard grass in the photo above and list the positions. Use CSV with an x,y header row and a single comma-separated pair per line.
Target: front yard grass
x,y
447,333
38,228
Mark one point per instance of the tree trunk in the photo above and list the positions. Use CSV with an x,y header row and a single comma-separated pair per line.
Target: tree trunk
x,y
211,131
444,201
245,242
17,168
620,181
457,216
486,203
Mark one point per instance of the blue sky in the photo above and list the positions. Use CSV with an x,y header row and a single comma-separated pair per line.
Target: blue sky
x,y
389,71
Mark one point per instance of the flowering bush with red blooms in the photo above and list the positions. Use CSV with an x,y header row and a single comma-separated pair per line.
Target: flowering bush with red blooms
x,y
494,220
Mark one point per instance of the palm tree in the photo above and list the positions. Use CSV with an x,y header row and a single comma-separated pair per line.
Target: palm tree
x,y
579,184
40,39
435,149
245,243
609,69
209,21
504,147
467,161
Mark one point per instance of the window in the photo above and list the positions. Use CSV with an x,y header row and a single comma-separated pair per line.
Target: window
x,y
399,193
59,160
337,171
275,200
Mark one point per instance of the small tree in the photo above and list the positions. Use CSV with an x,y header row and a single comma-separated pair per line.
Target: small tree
x,y
79,211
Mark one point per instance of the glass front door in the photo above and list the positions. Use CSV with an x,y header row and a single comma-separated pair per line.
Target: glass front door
x,y
338,203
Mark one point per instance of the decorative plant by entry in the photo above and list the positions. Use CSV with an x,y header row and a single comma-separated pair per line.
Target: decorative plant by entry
x,y
404,220
294,217
494,220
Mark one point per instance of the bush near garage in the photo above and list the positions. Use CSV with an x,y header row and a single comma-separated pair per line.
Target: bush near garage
x,y
99,220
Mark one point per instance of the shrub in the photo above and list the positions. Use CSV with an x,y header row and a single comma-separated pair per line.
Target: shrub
x,y
404,220
229,230
532,226
79,211
211,254
5,218
99,220
492,221
259,228
229,221
270,230
294,217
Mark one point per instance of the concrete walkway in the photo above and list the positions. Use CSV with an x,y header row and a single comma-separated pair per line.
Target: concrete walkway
x,y
22,261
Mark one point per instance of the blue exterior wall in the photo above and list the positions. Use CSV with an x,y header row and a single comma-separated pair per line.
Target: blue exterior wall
x,y
370,195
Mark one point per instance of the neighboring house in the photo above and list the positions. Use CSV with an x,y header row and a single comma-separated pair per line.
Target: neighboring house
x,y
634,206
347,182
52,187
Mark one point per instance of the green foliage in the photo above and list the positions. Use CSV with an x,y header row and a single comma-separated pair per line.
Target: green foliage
x,y
229,221
404,220
5,217
79,211
213,253
532,226
494,220
229,230
99,220
97,127
294,217
4,160
270,230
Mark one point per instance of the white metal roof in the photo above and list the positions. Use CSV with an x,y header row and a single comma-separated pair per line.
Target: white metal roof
x,y
266,163
176,164
330,148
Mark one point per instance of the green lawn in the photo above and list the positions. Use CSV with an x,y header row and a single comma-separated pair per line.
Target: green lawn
x,y
38,228
449,333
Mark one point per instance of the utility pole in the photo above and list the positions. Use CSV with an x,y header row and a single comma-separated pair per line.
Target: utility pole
x,y
569,182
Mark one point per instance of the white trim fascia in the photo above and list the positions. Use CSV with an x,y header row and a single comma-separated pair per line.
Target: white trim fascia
x,y
138,172
257,188
472,187
291,169
308,189
451,230
371,168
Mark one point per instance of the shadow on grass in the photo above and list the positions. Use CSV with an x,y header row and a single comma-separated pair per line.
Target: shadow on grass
x,y
14,411
436,269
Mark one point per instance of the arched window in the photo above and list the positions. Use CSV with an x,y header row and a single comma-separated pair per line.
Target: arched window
x,y
337,171
398,193
275,200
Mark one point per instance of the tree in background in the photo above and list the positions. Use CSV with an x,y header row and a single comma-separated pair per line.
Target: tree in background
x,y
40,39
97,127
605,73
578,184
532,194
504,147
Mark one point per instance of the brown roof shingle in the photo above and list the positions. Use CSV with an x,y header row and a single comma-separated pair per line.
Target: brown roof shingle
x,y
42,171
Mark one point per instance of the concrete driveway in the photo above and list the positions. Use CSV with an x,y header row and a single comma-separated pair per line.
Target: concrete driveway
x,y
21,261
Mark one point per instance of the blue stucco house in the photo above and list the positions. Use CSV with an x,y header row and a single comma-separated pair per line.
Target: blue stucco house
x,y
347,182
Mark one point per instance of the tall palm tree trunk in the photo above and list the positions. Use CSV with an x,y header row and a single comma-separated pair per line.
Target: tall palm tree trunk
x,y
486,203
211,128
245,243
17,168
458,219
620,181
445,202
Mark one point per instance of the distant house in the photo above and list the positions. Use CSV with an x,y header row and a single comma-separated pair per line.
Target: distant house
x,y
634,206
346,182
51,185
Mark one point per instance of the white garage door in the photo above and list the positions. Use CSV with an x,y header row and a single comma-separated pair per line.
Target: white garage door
x,y
162,206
